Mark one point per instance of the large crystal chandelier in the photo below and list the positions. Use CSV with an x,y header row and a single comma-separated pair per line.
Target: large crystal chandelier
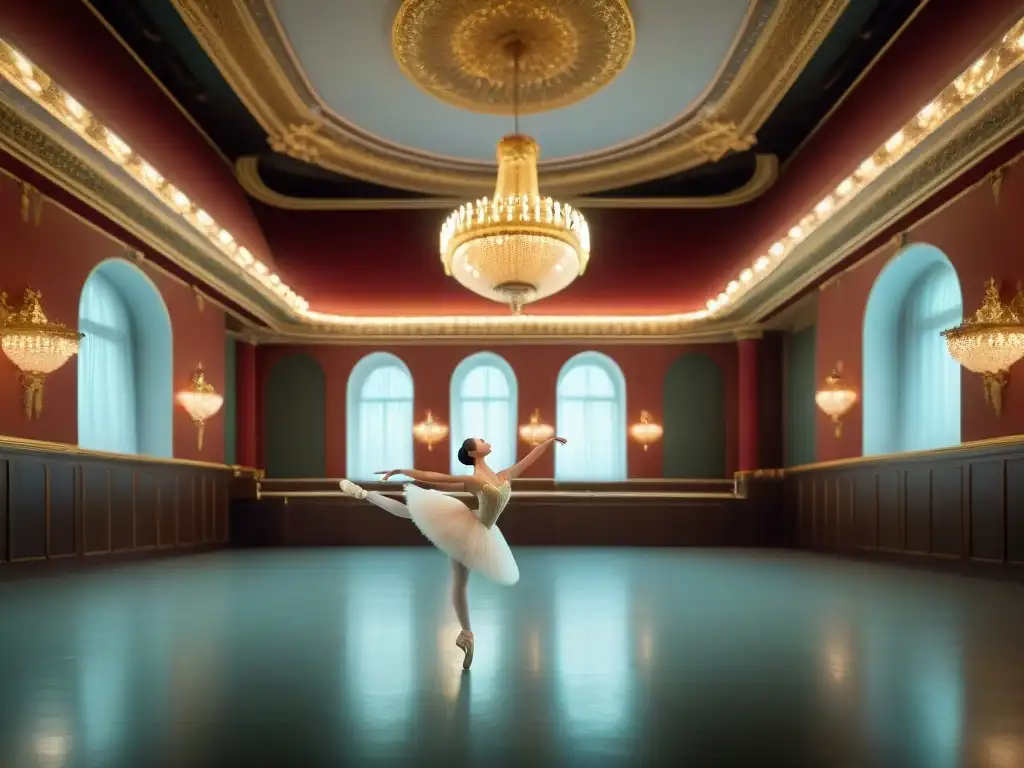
x,y
515,247
990,342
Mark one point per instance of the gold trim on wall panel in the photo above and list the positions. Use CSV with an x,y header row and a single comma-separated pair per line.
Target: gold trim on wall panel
x,y
766,173
775,46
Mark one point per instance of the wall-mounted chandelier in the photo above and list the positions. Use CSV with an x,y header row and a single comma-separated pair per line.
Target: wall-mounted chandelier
x,y
990,342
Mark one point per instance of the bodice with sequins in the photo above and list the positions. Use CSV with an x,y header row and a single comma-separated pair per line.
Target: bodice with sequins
x,y
491,502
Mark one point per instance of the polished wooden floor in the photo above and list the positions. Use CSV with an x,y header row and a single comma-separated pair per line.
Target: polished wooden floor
x,y
597,658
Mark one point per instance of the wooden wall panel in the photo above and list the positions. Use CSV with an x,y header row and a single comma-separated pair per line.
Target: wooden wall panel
x,y
96,509
61,505
167,515
27,510
1014,504
147,510
186,511
4,506
960,508
122,509
987,511
947,514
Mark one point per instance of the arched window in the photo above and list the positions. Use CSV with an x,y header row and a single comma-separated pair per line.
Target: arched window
x,y
591,416
911,384
379,407
125,368
484,403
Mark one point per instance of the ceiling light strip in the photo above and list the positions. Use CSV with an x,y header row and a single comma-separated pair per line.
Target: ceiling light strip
x,y
1007,54
987,70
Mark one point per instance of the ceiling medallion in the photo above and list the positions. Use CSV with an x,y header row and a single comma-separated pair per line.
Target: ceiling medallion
x,y
516,247
455,50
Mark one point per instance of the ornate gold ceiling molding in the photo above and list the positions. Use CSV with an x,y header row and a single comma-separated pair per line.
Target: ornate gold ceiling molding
x,y
766,172
979,111
247,44
462,51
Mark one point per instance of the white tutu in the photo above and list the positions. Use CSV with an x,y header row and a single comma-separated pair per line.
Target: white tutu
x,y
454,529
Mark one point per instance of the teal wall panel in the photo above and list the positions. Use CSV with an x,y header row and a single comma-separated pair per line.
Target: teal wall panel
x,y
801,412
694,413
294,410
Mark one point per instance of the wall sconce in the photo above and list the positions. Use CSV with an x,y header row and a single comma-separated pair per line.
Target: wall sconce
x,y
201,401
536,432
836,399
35,345
429,431
646,431
990,342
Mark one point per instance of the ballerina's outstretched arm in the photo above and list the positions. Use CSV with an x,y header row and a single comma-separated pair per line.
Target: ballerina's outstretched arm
x,y
451,482
527,461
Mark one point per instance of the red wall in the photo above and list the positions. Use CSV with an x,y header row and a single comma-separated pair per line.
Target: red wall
x,y
536,367
982,239
55,257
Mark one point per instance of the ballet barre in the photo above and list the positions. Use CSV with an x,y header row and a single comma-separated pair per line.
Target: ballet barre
x,y
638,495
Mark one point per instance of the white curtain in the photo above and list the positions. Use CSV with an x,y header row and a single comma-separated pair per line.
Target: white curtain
x,y
485,409
591,413
929,379
383,418
107,398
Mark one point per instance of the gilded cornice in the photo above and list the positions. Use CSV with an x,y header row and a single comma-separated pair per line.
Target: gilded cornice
x,y
981,110
47,147
247,44
940,159
766,172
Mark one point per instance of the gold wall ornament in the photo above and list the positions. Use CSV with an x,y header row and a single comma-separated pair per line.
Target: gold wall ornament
x,y
31,204
430,432
572,48
990,342
836,398
201,401
646,432
36,346
717,139
298,141
536,431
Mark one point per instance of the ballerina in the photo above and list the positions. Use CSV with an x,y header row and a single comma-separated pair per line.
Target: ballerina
x,y
470,538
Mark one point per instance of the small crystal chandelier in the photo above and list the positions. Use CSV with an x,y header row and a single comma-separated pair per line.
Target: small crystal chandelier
x,y
429,431
35,345
990,343
201,401
516,247
836,398
536,432
646,432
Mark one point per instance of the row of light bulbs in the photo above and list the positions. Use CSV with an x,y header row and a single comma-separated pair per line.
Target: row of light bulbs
x,y
1006,55
979,76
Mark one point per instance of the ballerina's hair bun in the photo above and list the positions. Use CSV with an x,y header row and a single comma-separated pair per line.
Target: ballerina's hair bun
x,y
464,457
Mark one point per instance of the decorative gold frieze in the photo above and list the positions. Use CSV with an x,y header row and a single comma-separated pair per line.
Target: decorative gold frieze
x,y
246,42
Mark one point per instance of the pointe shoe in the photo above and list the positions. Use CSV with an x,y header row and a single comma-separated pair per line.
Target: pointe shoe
x,y
465,642
351,489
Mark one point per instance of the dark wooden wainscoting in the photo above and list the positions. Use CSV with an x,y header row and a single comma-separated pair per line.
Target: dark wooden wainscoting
x,y
960,509
620,514
59,504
